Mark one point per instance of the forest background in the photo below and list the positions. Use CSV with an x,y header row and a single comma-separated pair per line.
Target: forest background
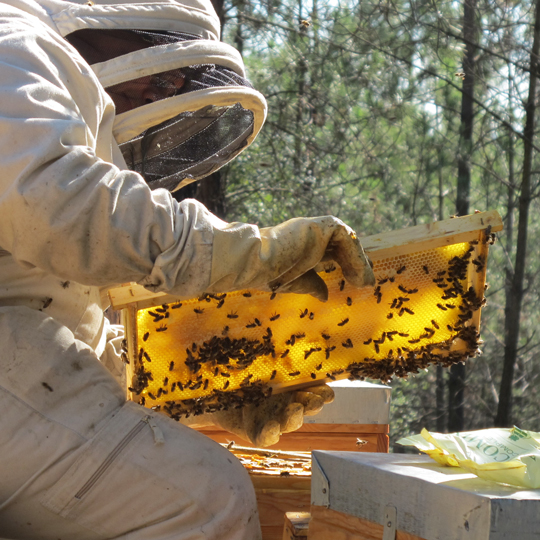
x,y
389,114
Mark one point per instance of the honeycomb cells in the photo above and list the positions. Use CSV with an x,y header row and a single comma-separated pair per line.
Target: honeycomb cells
x,y
228,342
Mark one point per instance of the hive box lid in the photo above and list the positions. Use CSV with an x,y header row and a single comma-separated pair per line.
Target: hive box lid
x,y
432,501
356,402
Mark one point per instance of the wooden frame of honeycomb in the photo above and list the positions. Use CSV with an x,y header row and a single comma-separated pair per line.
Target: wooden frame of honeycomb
x,y
223,350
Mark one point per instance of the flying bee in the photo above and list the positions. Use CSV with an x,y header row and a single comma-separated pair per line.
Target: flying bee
x,y
146,336
343,322
46,303
275,317
232,315
47,386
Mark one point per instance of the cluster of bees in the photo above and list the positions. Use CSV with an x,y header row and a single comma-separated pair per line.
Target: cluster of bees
x,y
220,372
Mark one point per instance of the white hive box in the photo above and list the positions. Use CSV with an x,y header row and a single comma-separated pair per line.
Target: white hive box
x,y
359,496
356,402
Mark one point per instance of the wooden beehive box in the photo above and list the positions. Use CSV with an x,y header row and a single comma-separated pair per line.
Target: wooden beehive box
x,y
217,351
357,420
358,496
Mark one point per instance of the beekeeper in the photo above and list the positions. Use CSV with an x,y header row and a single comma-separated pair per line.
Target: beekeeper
x,y
100,105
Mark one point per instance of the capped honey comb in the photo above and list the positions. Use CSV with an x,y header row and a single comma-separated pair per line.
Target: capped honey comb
x,y
223,350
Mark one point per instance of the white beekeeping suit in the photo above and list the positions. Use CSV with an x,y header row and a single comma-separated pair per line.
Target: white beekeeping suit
x,y
78,462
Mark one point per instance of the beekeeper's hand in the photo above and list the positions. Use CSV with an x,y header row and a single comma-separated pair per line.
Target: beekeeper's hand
x,y
263,424
284,258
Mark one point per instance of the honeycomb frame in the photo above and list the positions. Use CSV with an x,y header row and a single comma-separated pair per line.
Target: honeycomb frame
x,y
188,356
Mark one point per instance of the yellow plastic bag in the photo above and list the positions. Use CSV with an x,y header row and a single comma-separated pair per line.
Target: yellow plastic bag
x,y
503,455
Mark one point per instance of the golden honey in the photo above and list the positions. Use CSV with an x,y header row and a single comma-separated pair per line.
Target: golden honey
x,y
220,350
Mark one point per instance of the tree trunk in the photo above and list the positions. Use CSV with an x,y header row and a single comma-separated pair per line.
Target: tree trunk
x,y
515,297
456,380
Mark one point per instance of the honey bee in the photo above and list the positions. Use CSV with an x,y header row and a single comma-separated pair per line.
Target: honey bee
x,y
273,376
225,331
326,337
171,365
349,301
247,294
146,336
303,313
348,344
341,284
343,322
232,315
198,311
275,317
177,305
401,270
294,374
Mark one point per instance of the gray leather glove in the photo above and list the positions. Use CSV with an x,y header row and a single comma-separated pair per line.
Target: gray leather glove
x,y
263,424
284,258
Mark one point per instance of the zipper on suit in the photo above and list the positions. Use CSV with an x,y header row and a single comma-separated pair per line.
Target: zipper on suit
x,y
102,469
